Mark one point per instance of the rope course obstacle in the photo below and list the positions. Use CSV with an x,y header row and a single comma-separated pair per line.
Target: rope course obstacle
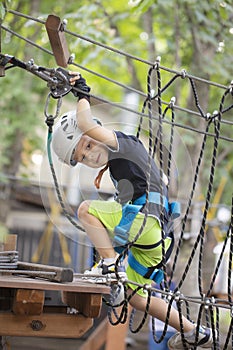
x,y
208,305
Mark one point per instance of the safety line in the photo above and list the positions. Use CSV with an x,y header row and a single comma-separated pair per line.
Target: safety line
x,y
110,80
120,52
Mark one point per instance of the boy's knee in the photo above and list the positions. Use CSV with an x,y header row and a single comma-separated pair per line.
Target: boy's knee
x,y
83,209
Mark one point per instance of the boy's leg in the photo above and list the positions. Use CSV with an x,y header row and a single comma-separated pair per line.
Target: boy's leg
x,y
96,231
97,218
158,309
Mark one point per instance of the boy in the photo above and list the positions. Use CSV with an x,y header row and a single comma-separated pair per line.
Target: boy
x,y
77,138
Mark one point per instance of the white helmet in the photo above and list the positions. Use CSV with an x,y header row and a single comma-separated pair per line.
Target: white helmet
x,y
65,137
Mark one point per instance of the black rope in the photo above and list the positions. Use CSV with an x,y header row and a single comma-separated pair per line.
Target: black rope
x,y
120,52
129,88
206,208
229,335
149,164
185,218
116,82
166,323
229,279
59,195
142,323
217,120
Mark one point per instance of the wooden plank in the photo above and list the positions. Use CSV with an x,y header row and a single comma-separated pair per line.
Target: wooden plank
x,y
97,338
29,283
116,335
58,274
87,304
28,302
11,242
112,336
56,34
45,325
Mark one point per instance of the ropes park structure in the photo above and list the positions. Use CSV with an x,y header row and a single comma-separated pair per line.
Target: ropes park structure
x,y
208,305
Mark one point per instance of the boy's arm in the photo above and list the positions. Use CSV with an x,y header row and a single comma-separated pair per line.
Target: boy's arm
x,y
88,126
85,119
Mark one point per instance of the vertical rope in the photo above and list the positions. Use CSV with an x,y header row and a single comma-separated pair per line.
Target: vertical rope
x,y
229,279
184,221
207,204
161,166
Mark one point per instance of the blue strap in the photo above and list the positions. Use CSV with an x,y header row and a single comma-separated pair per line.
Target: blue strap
x,y
173,209
157,275
129,211
153,197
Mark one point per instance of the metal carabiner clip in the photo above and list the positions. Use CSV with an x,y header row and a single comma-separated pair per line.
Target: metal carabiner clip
x,y
51,117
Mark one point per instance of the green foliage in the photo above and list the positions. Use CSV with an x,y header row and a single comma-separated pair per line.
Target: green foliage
x,y
190,34
3,8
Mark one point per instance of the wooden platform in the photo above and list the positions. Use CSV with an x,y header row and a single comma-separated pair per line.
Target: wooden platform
x,y
23,311
76,286
26,313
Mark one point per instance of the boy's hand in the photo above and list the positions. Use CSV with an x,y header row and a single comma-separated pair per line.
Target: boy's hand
x,y
77,81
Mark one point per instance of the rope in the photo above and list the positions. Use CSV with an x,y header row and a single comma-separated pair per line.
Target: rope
x,y
50,121
123,85
120,52
65,212
208,306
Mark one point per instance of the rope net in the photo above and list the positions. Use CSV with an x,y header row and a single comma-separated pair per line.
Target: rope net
x,y
155,109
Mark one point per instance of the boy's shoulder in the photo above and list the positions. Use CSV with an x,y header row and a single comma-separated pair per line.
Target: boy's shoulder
x,y
122,135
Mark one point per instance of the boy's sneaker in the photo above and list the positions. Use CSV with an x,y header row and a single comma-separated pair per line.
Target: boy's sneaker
x,y
102,273
205,339
117,294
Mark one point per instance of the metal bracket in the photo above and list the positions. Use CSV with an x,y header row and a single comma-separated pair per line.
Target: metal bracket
x,y
61,85
57,79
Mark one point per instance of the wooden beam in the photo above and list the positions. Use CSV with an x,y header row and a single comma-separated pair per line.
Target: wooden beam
x,y
58,274
11,243
97,338
76,286
112,336
45,325
116,335
28,302
56,34
87,304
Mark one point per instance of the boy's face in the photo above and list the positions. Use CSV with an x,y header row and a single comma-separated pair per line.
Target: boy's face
x,y
90,152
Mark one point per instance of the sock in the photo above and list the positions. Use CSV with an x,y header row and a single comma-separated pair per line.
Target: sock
x,y
109,261
190,333
193,332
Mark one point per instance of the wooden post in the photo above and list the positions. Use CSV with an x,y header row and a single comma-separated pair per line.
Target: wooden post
x,y
28,302
56,34
116,337
112,336
11,243
88,304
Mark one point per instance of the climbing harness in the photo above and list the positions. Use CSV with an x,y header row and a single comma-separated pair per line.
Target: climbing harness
x,y
152,273
129,212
